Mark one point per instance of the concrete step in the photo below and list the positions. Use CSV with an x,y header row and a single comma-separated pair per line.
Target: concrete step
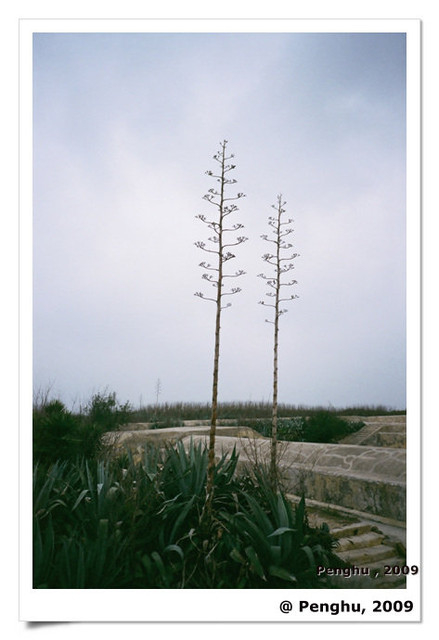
x,y
391,582
376,578
352,529
367,555
364,540
387,581
364,544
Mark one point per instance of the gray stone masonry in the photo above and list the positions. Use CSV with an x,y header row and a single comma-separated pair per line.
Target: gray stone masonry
x,y
368,479
365,472
136,438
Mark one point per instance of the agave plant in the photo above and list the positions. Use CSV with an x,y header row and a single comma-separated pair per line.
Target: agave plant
x,y
272,542
120,524
76,523
180,540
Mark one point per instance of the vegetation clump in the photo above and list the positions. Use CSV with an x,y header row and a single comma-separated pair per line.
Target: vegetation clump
x,y
114,524
245,411
106,522
326,426
60,434
321,426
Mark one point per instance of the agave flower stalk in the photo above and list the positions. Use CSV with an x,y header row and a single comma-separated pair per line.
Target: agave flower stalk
x,y
281,264
215,274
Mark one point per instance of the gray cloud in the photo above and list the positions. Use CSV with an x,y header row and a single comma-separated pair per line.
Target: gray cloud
x,y
126,125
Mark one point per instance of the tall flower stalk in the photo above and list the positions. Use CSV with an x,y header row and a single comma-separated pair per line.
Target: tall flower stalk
x,y
215,274
282,264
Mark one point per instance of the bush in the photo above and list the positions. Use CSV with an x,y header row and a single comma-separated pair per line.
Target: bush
x,y
115,524
321,426
290,429
54,432
326,426
287,428
58,434
106,412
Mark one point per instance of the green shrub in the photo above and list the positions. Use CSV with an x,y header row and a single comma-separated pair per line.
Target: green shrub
x,y
321,426
105,411
287,428
290,429
326,426
54,432
58,434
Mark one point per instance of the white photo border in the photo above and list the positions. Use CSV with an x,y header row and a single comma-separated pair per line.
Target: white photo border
x,y
226,605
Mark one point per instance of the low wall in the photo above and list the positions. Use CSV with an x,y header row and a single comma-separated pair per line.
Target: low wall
x,y
137,437
368,479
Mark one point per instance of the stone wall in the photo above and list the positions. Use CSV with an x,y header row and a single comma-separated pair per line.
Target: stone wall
x,y
368,479
365,472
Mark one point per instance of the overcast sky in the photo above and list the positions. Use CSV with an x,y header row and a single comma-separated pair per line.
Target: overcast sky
x,y
125,127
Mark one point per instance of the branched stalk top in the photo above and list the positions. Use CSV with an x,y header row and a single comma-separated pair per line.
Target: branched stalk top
x,y
220,241
282,263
